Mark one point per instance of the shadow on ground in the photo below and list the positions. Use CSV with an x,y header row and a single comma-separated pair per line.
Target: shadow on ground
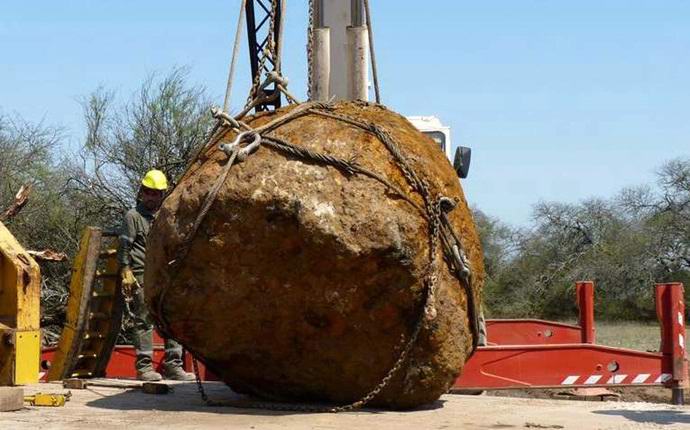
x,y
185,398
662,417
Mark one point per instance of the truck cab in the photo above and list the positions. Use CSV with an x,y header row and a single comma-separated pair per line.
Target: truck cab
x,y
439,133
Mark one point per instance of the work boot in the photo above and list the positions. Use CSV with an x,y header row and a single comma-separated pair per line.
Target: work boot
x,y
178,374
149,375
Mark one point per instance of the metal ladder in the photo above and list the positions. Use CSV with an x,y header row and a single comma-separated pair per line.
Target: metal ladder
x,y
94,310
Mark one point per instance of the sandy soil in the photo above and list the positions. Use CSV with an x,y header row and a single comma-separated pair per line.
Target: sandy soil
x,y
110,408
627,394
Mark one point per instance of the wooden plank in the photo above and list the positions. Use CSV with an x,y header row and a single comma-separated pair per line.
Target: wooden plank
x,y
11,399
81,384
155,388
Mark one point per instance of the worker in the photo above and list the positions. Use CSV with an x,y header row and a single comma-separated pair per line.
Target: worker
x,y
131,256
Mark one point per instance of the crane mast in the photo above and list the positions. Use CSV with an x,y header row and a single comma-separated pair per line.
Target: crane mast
x,y
264,31
338,50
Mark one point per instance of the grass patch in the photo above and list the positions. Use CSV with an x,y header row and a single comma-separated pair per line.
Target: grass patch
x,y
629,334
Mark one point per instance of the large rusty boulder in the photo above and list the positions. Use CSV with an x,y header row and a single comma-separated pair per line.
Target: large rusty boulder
x,y
303,278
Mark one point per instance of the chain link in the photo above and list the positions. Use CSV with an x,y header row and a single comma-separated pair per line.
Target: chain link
x,y
310,49
199,384
435,218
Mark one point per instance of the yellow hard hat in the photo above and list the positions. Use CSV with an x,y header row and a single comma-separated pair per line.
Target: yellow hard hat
x,y
155,180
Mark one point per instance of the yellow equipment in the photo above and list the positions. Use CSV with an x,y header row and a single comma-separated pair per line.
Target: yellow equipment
x,y
155,180
47,399
94,310
20,296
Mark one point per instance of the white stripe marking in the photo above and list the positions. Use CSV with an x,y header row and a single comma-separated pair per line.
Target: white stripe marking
x,y
664,377
616,379
593,379
681,341
680,319
570,380
639,379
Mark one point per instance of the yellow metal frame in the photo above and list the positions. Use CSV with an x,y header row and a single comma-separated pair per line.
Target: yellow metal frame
x,y
94,313
20,309
83,272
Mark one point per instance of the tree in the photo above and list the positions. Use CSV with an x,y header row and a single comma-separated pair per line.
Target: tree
x,y
624,244
500,244
664,212
29,158
161,127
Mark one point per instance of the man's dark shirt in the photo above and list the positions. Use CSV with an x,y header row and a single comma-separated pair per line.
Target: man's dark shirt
x,y
135,229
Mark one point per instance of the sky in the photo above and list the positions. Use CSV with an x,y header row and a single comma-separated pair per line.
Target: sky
x,y
559,100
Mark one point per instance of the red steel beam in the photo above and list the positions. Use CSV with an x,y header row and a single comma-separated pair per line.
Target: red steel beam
x,y
560,366
541,354
585,302
540,364
670,309
120,365
531,332
541,332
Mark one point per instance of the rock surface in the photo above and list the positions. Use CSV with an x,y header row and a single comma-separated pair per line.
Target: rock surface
x,y
302,279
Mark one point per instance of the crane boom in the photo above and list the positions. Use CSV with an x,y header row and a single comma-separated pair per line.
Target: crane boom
x,y
264,36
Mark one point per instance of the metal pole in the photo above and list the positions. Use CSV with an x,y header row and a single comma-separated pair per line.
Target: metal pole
x,y
670,309
680,364
318,14
357,46
356,13
321,69
585,301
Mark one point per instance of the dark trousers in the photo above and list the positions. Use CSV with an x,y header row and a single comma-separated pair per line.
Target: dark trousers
x,y
142,335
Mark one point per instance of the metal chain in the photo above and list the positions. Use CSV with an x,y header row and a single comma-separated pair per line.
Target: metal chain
x,y
310,48
199,384
408,345
434,216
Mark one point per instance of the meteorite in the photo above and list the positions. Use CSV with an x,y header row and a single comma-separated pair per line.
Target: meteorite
x,y
303,277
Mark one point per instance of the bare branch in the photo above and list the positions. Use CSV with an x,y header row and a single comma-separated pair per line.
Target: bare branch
x,y
20,200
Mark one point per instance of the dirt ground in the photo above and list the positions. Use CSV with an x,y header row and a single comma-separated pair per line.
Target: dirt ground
x,y
627,394
111,408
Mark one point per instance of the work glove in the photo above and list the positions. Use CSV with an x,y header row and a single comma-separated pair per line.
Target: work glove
x,y
129,282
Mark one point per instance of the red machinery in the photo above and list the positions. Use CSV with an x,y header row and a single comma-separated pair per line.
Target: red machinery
x,y
534,353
